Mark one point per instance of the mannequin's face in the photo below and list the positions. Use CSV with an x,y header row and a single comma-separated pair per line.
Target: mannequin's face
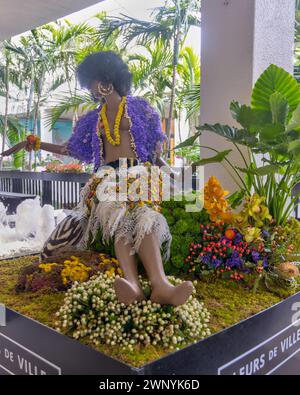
x,y
94,89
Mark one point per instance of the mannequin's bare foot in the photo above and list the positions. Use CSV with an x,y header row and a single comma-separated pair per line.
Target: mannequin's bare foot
x,y
173,295
127,292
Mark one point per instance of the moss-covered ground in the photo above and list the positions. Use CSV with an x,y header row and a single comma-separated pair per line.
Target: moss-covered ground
x,y
227,303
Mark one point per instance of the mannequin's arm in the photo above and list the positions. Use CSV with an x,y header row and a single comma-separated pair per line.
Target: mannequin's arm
x,y
53,148
14,149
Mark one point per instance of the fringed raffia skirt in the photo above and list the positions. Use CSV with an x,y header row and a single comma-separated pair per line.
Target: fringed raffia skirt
x,y
105,215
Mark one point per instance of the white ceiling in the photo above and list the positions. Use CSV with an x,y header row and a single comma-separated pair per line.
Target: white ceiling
x,y
18,16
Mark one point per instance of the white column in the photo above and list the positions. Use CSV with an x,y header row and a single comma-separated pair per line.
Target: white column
x,y
46,131
240,39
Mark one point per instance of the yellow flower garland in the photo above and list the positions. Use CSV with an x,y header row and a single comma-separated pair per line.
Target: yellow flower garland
x,y
103,117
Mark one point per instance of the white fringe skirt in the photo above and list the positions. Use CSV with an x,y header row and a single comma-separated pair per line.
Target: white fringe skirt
x,y
101,211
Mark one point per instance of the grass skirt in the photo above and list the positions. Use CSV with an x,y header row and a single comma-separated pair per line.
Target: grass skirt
x,y
100,213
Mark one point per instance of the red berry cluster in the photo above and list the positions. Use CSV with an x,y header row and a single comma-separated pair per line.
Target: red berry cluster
x,y
222,250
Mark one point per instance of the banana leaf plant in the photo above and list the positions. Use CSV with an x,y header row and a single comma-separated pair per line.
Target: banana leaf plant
x,y
268,140
15,134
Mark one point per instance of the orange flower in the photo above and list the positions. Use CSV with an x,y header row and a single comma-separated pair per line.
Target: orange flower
x,y
215,201
230,234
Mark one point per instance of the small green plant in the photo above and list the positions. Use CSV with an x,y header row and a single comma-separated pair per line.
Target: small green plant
x,y
184,227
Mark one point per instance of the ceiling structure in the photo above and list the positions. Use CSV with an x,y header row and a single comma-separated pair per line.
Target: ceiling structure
x,y
18,16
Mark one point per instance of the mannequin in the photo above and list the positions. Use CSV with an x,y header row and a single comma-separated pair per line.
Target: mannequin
x,y
109,81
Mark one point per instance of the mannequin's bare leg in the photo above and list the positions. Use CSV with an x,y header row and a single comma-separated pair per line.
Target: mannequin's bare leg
x,y
162,291
128,289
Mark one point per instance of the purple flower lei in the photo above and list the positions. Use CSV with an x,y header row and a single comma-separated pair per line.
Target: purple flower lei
x,y
146,132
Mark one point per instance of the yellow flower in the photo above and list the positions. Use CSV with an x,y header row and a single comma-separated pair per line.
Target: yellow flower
x,y
252,218
110,272
103,117
47,267
255,208
74,270
251,234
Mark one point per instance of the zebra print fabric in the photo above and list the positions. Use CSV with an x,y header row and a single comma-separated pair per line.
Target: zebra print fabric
x,y
67,234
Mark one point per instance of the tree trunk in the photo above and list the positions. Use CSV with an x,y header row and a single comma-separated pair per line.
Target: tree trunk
x,y
75,115
174,80
29,103
179,126
36,116
5,124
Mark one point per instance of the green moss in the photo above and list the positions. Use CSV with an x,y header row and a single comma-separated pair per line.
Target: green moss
x,y
39,306
184,227
228,304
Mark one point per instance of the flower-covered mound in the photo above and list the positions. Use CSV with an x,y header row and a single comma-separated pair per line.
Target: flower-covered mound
x,y
224,251
60,272
227,302
92,310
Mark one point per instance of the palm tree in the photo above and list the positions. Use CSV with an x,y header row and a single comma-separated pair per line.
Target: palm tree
x,y
78,41
33,65
170,23
65,42
47,51
188,90
152,70
11,129
5,80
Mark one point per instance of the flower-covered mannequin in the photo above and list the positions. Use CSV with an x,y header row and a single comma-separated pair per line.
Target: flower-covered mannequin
x,y
122,126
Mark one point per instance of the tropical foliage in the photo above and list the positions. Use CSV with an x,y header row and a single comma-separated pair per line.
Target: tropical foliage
x,y
37,69
170,25
267,140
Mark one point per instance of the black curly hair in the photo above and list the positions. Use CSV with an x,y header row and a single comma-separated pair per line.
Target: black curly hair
x,y
106,67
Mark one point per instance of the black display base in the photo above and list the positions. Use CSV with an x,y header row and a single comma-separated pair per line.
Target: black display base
x,y
267,343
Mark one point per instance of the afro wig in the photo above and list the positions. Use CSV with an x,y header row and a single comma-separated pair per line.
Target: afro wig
x,y
106,67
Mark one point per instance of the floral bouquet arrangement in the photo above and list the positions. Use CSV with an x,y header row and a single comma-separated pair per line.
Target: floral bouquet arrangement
x,y
91,311
224,252
61,274
64,168
243,244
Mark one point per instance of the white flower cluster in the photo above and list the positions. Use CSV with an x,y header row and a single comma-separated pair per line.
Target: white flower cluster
x,y
91,309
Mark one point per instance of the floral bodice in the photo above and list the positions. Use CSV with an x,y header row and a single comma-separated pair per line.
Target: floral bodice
x,y
145,131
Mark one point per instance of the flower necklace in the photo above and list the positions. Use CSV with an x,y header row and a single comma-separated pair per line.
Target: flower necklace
x,y
103,122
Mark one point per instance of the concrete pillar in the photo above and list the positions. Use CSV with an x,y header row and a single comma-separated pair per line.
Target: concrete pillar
x,y
46,131
240,39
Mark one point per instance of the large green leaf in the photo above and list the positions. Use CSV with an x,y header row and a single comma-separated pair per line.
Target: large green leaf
x,y
279,108
262,171
275,79
235,135
271,132
294,123
294,147
236,199
249,118
213,159
188,142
